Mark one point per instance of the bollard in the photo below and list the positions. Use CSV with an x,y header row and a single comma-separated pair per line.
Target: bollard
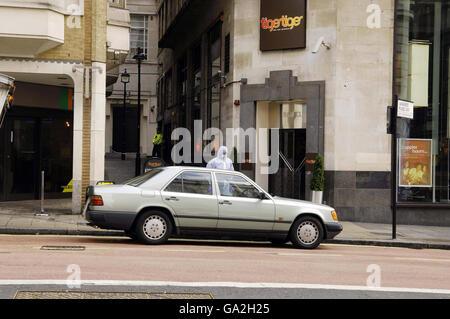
x,y
42,213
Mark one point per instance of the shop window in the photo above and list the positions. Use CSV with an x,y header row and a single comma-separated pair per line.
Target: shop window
x,y
422,76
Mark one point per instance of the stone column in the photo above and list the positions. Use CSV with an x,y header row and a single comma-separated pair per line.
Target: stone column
x,y
98,122
77,140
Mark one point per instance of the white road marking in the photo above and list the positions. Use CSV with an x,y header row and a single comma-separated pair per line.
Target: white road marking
x,y
421,259
307,255
223,284
195,251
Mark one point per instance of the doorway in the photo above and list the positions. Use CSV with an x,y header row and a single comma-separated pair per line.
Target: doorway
x,y
289,180
35,140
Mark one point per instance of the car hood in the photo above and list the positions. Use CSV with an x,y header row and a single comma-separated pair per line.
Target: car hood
x,y
297,202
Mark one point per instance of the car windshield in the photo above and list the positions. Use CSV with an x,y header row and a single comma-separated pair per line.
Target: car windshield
x,y
135,182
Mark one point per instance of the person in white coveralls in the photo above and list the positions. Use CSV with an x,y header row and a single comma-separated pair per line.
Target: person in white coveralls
x,y
221,161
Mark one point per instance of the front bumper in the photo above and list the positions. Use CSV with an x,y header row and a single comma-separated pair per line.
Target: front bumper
x,y
333,229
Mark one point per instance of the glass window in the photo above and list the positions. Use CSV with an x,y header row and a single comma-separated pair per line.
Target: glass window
x,y
422,76
192,183
117,3
176,186
168,90
215,65
182,82
197,80
236,186
138,34
143,178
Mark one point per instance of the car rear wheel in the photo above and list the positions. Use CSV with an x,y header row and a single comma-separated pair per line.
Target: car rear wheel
x,y
153,228
307,233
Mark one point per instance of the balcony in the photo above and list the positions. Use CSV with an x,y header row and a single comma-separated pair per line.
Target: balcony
x,y
28,28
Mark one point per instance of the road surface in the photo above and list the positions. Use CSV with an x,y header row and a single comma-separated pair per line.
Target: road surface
x,y
220,269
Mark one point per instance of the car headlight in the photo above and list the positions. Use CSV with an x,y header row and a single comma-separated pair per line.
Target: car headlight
x,y
334,215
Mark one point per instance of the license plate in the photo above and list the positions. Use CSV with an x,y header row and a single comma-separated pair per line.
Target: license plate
x,y
88,201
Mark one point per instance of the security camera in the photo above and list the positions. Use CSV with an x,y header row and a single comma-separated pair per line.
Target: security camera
x,y
319,44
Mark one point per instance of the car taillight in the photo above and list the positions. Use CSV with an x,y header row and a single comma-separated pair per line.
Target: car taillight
x,y
96,200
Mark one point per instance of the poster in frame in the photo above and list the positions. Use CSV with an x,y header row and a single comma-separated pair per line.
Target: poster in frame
x,y
415,163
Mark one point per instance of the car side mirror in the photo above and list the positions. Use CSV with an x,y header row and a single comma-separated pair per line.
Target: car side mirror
x,y
262,196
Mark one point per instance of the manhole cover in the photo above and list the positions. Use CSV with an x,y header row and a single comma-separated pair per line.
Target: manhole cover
x,y
72,248
107,295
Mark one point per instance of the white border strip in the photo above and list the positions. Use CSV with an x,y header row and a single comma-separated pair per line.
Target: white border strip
x,y
222,284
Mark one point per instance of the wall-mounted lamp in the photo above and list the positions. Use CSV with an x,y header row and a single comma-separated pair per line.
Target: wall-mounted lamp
x,y
243,81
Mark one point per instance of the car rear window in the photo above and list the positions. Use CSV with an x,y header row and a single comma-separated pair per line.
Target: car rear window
x,y
135,182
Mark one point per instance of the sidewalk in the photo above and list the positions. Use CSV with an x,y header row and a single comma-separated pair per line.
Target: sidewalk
x,y
19,218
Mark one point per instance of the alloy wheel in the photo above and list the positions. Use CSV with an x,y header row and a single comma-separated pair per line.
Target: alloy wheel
x,y
307,232
155,227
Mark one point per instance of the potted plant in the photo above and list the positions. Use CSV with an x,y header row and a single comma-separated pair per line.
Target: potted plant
x,y
317,180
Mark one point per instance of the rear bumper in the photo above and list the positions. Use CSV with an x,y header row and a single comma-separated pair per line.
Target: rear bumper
x,y
333,229
111,220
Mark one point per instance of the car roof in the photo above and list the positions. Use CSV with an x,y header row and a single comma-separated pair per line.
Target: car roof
x,y
197,168
160,180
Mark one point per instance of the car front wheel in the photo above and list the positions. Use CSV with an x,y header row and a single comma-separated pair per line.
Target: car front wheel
x,y
153,228
307,233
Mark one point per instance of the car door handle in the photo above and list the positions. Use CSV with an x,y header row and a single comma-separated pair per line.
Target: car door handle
x,y
172,198
225,202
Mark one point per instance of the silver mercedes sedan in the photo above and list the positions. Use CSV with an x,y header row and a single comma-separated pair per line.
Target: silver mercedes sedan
x,y
206,203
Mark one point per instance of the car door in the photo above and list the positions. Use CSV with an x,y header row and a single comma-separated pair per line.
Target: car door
x,y
192,197
240,207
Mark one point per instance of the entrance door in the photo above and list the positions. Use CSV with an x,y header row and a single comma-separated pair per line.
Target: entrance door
x,y
22,159
32,143
289,181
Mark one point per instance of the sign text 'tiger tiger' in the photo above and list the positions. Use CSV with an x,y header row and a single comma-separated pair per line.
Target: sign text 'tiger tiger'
x,y
283,24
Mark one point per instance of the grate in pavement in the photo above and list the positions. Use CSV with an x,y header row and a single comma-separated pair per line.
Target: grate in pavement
x,y
70,248
108,295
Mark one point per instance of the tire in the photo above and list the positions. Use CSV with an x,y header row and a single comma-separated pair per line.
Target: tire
x,y
278,242
307,233
153,228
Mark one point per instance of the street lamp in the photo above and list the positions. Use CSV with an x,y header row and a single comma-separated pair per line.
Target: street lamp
x,y
139,57
125,79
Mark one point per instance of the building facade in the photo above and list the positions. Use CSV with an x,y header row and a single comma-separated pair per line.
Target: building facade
x,y
61,54
317,77
120,133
